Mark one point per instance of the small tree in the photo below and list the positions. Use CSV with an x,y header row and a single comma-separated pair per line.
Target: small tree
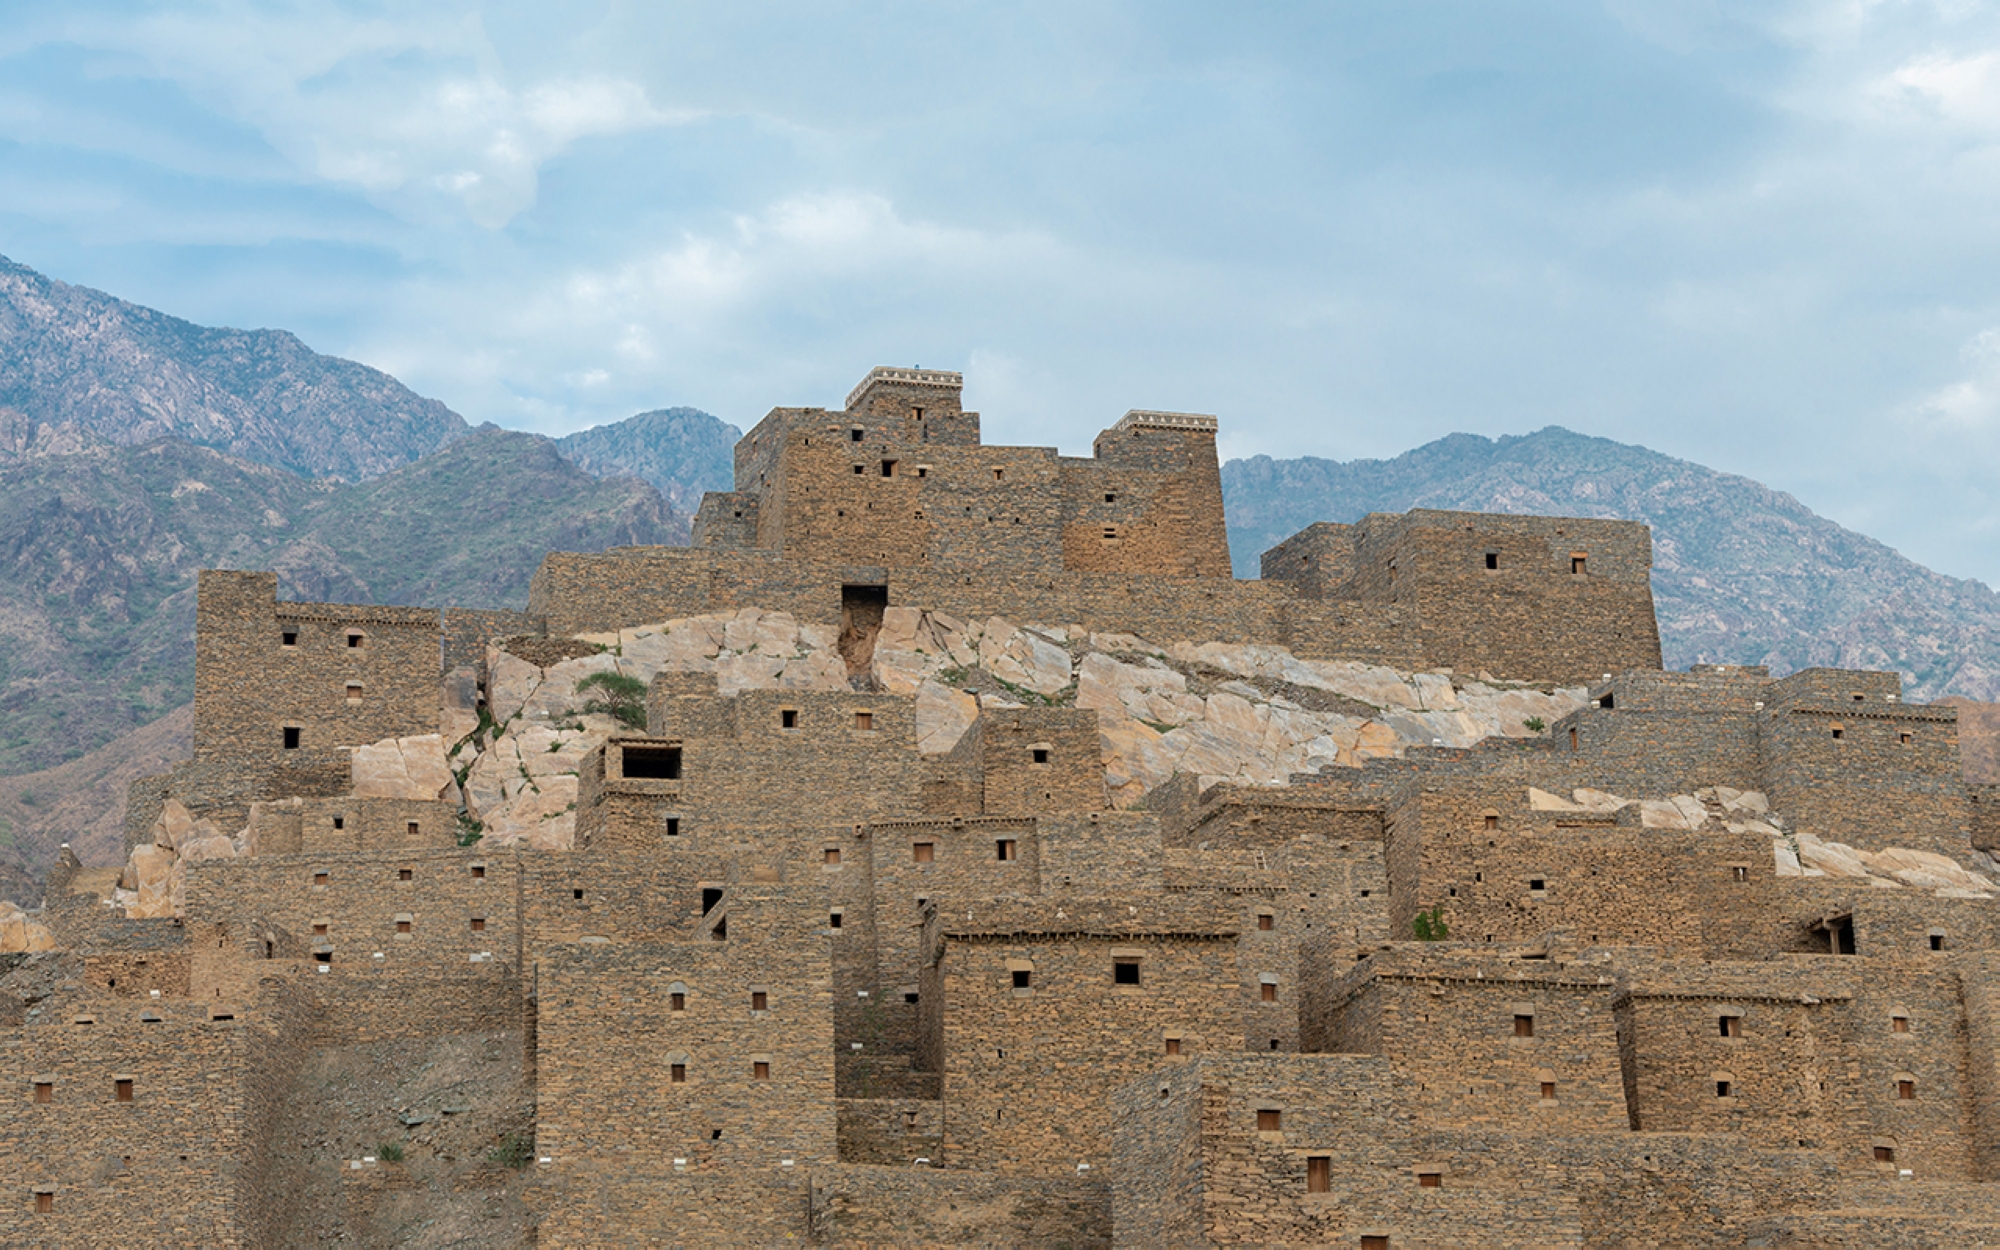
x,y
1534,724
623,697
1430,925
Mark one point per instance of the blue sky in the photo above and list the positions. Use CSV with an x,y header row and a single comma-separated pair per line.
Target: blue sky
x,y
1761,236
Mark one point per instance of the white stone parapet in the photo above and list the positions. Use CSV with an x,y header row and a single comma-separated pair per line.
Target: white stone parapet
x,y
909,377
1144,418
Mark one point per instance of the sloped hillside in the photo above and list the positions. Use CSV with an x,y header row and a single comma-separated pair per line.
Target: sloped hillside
x,y
76,359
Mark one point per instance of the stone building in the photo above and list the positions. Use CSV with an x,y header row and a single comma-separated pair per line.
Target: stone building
x,y
801,948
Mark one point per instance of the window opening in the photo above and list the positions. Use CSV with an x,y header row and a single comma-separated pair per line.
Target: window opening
x,y
1937,941
854,435
354,640
760,1000
1739,872
1319,1173
1268,1120
340,822
832,855
652,763
1730,1026
1577,563
1492,559
1572,738
1004,850
1899,1024
45,1203
1538,883
45,1092
1267,992
1903,738
1906,1090
833,920
354,692
1265,920
577,895
290,638
404,874
760,1071
788,719
677,1001
478,871
479,924
1427,1180
402,926
923,852
1838,731
1885,1154
864,720
1173,1045
1023,979
1125,972
1492,821
673,826
122,1089
320,878
710,896
888,468
319,930
677,1073
1524,1026
1722,1089
291,737
1041,755
413,828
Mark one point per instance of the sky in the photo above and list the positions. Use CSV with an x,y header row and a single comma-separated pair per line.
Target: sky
x,y
1760,236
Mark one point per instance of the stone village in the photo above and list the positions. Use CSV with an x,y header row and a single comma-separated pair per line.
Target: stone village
x,y
945,849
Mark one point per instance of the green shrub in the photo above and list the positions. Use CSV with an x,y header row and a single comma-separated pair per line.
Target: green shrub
x,y
1430,925
390,1152
623,697
1534,724
515,1152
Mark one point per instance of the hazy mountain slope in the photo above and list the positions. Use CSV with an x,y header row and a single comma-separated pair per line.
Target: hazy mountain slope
x,y
681,451
81,802
99,551
1741,574
71,356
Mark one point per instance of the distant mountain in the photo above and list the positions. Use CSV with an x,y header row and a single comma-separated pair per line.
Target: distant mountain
x,y
92,368
1742,573
681,451
99,550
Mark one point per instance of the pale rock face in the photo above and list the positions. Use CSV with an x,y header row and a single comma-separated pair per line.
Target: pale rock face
x,y
943,716
1661,814
1029,660
151,869
401,768
1596,800
1543,801
21,932
1786,859
173,825
1434,691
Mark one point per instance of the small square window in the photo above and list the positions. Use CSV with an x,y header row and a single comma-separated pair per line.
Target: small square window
x,y
1577,565
1004,850
1268,1120
759,1000
122,1090
1374,1242
888,468
1548,1091
833,920
1906,1090
1730,1026
478,871
910,997
319,930
1838,733
923,852
1739,872
1492,821
677,1073
1427,1180
1937,941
831,855
410,827
760,1071
320,878
1268,992
1023,978
677,1001
1492,559
292,733
290,638
1125,972
858,471
1722,1089
405,874
402,926
1041,755
1265,920
45,1092
353,640
45,1204
1524,1026
1319,1173
854,435
1903,738
1538,883
1885,1154
479,924
340,822
354,692
1899,1024
864,720
788,719
1173,1045
673,826
577,895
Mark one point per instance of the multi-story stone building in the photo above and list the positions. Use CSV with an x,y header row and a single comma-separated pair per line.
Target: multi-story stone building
x,y
798,973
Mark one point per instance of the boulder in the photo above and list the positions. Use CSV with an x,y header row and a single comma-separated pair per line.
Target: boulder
x,y
943,716
401,768
1543,801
